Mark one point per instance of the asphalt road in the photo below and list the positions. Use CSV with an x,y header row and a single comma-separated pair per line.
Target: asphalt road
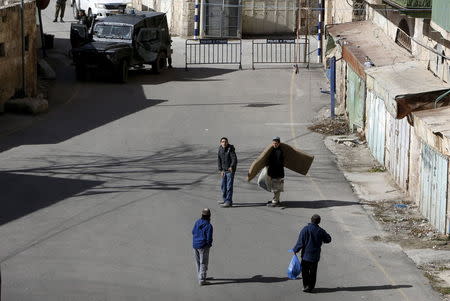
x,y
99,196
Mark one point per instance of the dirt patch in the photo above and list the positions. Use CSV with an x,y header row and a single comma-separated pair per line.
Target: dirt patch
x,y
331,126
405,225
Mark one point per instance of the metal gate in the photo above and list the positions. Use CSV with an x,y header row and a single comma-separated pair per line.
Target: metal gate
x,y
376,126
279,51
433,187
397,149
213,52
355,99
222,18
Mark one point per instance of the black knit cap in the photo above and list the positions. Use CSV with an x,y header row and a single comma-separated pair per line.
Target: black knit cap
x,y
315,219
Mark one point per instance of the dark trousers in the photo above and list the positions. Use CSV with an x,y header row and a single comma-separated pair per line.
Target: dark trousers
x,y
60,7
227,187
309,274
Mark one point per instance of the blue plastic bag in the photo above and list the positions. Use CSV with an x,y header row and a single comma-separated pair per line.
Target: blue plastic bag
x,y
294,268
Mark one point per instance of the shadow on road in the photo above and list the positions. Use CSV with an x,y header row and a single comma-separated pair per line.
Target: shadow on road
x,y
254,279
359,288
249,204
79,107
24,194
317,204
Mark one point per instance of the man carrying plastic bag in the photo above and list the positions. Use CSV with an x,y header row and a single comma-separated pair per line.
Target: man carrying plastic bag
x,y
310,242
294,268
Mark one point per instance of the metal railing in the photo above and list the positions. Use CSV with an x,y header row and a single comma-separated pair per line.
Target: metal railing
x,y
403,39
279,51
213,52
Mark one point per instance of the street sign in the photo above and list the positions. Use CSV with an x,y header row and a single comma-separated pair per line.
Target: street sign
x,y
281,41
213,41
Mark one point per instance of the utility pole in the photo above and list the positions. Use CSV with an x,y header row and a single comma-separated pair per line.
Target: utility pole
x,y
306,50
196,19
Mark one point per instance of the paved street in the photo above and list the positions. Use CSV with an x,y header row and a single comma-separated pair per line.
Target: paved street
x,y
101,193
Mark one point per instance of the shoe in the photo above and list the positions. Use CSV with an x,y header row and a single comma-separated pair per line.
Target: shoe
x,y
306,289
271,204
203,282
226,205
220,202
55,20
62,21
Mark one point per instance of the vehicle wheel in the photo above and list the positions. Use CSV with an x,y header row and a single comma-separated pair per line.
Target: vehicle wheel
x,y
75,10
122,72
160,64
80,72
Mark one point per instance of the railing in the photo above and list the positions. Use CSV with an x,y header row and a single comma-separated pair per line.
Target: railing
x,y
213,52
279,51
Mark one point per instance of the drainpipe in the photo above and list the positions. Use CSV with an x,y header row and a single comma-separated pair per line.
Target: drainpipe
x,y
196,19
22,32
332,85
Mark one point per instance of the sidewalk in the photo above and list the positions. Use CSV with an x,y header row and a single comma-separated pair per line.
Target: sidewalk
x,y
390,206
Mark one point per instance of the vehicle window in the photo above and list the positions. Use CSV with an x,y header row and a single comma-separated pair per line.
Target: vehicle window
x,y
113,31
147,35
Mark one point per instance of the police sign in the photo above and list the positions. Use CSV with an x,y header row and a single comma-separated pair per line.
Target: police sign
x,y
280,41
213,41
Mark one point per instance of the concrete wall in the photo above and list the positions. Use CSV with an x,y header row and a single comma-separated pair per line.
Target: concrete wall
x,y
338,11
180,14
11,59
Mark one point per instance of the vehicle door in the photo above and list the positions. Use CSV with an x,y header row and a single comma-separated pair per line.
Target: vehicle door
x,y
148,43
79,35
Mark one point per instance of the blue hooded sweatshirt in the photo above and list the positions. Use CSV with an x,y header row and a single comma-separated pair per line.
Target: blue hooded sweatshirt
x,y
202,234
310,242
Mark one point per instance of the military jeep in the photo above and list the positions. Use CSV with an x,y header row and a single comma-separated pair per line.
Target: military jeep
x,y
120,42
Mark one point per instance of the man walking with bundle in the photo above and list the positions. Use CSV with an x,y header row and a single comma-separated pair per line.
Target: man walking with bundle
x,y
227,163
276,172
310,242
202,238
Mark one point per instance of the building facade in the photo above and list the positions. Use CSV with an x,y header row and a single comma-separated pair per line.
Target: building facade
x,y
11,51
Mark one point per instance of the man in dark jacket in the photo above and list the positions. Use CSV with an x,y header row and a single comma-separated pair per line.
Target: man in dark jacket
x,y
310,242
227,163
276,171
202,238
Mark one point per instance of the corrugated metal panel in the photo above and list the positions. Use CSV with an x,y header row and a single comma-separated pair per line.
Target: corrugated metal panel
x,y
355,99
376,126
433,183
440,13
397,149
264,17
413,3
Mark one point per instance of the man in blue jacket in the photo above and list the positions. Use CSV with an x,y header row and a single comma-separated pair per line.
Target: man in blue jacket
x,y
202,238
310,242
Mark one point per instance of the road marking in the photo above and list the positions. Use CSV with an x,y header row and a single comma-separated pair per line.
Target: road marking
x,y
319,191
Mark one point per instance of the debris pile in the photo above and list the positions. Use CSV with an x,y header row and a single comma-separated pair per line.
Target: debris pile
x,y
331,126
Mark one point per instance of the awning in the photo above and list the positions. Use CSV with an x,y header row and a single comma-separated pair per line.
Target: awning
x,y
363,42
433,127
406,87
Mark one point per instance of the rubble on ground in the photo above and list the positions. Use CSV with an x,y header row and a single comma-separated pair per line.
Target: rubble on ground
x,y
404,224
331,126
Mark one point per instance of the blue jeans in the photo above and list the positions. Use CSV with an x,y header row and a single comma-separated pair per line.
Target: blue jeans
x,y
227,187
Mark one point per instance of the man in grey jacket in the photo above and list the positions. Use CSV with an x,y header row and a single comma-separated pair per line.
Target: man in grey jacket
x,y
227,163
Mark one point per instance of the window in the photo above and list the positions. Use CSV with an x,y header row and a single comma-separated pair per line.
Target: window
x,y
2,50
27,42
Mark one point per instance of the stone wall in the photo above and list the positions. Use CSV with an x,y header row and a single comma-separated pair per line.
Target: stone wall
x,y
11,51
